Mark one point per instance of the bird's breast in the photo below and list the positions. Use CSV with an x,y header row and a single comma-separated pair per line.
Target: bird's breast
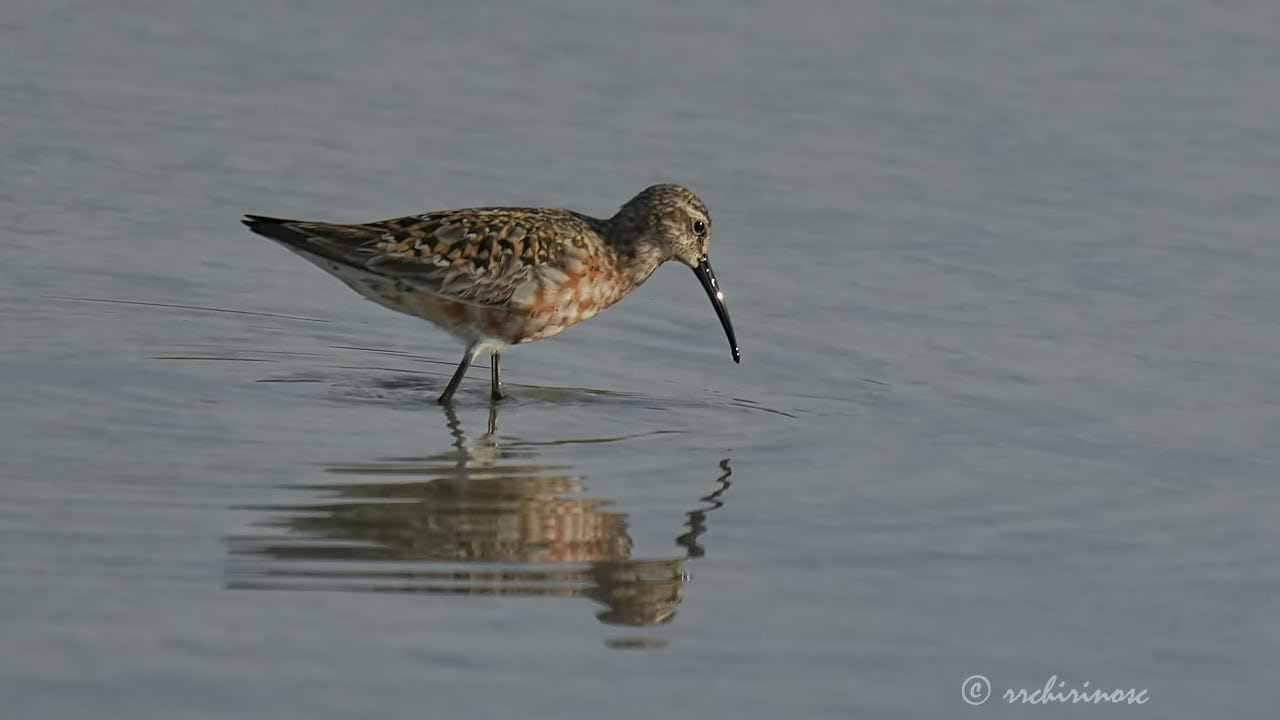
x,y
562,300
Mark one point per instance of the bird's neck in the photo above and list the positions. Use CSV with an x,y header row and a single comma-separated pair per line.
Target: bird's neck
x,y
630,236
640,257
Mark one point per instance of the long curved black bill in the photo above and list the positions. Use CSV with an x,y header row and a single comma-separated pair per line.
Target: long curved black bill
x,y
709,283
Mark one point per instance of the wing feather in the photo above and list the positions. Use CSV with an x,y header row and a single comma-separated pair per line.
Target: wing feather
x,y
488,256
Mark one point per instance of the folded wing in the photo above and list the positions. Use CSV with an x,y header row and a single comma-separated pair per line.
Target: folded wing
x,y
483,256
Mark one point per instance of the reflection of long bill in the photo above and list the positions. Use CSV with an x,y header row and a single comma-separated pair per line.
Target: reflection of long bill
x,y
708,279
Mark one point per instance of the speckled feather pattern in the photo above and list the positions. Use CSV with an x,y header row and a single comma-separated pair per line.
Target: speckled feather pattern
x,y
497,275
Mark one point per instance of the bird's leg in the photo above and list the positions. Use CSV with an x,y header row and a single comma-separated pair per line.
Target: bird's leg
x,y
447,396
493,421
495,372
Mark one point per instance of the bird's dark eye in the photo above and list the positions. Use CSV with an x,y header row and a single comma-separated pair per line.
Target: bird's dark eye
x,y
699,227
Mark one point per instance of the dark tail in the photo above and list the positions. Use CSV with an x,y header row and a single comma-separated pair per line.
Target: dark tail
x,y
345,244
277,229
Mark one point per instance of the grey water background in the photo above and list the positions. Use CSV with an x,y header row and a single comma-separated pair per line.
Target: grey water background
x,y
1004,275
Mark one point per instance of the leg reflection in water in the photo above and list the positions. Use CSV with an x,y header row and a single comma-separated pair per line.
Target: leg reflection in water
x,y
481,518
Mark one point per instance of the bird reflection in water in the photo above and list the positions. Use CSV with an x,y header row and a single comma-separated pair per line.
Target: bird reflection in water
x,y
481,519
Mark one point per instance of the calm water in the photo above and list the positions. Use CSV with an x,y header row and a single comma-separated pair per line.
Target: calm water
x,y
1004,275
